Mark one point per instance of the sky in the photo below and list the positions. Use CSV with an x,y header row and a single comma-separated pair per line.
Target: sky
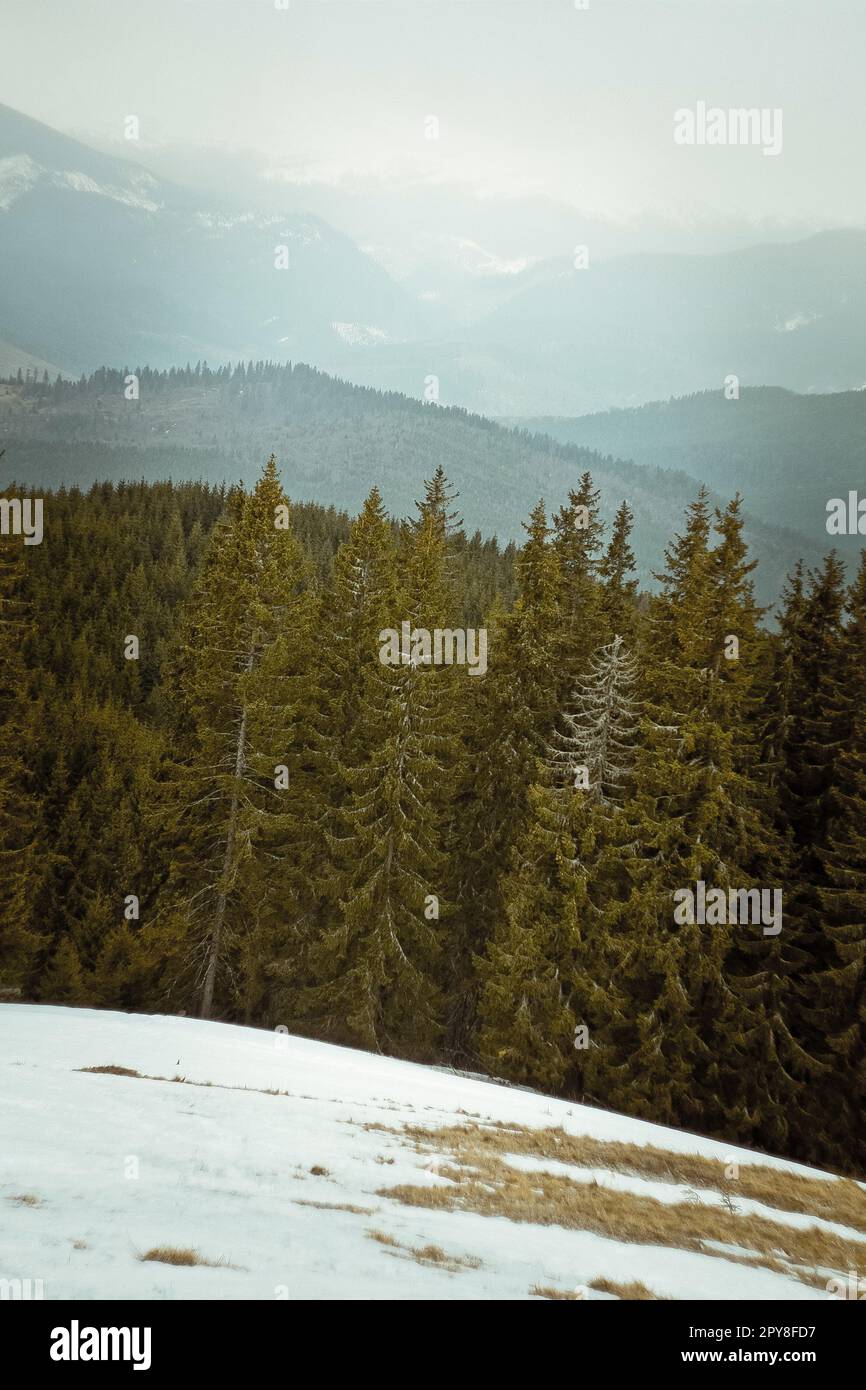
x,y
538,97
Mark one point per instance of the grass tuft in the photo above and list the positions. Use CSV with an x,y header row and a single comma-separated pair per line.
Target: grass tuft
x,y
635,1292
559,1295
110,1071
182,1255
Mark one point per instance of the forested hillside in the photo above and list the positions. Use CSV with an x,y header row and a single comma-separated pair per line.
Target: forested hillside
x,y
216,797
333,441
787,454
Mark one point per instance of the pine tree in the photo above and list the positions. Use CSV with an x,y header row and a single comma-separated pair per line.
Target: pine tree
x,y
813,737
509,719
595,745
62,981
619,591
526,1022
239,849
376,967
19,719
837,998
547,952
361,600
578,533
762,1076
691,817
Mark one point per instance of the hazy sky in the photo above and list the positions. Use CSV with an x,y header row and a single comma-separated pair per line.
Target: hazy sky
x,y
531,96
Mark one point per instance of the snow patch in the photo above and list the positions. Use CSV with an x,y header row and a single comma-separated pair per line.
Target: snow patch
x,y
360,334
132,196
18,173
790,325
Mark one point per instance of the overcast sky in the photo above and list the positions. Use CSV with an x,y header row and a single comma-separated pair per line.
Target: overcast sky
x,y
531,96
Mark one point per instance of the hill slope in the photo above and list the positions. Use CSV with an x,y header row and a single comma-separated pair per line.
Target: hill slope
x,y
333,441
787,454
290,1161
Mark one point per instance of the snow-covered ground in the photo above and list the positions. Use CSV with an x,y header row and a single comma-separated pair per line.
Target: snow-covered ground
x,y
112,1166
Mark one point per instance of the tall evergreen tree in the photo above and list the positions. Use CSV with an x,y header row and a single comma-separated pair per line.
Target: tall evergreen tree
x,y
548,951
19,720
616,570
236,797
376,967
510,716
837,997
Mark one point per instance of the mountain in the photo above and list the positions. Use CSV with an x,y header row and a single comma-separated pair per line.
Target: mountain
x,y
333,441
148,270
206,1161
557,340
643,327
103,261
787,454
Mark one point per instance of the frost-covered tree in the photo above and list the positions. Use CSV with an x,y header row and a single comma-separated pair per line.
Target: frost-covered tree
x,y
593,747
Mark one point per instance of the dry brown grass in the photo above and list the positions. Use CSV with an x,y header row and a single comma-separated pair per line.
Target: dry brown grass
x,y
180,1255
832,1199
556,1295
112,1071
384,1239
635,1291
185,1081
426,1254
335,1206
482,1181
25,1199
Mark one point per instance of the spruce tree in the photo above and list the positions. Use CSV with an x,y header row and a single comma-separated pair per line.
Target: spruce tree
x,y
837,997
542,967
19,812
578,534
376,967
619,589
510,715
235,800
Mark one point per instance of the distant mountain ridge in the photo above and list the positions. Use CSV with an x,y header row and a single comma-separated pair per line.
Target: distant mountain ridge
x,y
788,454
646,327
333,441
103,261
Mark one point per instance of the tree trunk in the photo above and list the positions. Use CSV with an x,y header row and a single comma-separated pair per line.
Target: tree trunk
x,y
222,899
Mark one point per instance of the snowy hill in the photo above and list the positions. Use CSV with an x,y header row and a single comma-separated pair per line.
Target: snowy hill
x,y
295,1169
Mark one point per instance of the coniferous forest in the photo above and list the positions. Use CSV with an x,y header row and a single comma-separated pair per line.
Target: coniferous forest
x,y
215,797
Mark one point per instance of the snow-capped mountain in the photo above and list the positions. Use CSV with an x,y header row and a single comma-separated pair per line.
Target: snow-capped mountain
x,y
103,261
168,1158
